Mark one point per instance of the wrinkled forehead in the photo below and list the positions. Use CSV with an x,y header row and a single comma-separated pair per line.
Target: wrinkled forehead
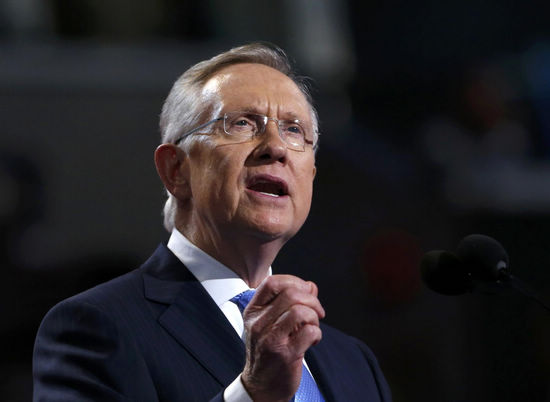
x,y
258,88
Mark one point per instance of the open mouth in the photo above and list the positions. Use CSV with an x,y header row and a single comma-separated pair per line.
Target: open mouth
x,y
268,186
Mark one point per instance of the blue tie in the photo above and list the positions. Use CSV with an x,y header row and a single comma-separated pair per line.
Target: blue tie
x,y
307,390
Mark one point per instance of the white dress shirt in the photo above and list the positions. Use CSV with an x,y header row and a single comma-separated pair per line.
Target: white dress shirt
x,y
222,284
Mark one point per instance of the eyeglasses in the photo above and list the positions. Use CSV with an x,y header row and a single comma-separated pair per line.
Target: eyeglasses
x,y
242,126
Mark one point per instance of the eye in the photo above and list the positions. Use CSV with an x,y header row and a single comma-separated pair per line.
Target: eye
x,y
242,123
294,129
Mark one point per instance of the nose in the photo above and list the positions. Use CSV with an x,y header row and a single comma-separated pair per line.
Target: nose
x,y
271,146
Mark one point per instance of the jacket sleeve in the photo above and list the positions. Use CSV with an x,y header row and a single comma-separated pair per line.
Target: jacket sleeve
x,y
80,355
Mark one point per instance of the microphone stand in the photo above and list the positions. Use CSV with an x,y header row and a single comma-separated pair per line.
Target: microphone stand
x,y
517,284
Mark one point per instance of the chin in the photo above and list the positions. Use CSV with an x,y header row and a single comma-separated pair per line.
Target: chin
x,y
272,232
270,225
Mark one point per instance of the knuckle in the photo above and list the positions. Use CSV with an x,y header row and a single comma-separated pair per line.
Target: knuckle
x,y
296,312
301,314
270,280
292,295
312,332
271,284
253,329
314,289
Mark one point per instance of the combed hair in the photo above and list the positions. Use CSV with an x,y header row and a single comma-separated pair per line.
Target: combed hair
x,y
186,107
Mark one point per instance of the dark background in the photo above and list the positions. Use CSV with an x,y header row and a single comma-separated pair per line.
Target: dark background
x,y
435,121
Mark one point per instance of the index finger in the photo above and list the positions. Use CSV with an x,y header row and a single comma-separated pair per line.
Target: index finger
x,y
272,286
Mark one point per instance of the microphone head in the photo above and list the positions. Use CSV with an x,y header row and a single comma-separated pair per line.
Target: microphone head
x,y
444,273
484,257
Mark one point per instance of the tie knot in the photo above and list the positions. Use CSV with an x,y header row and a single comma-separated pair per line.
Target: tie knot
x,y
242,299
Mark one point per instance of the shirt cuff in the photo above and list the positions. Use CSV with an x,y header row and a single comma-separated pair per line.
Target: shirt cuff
x,y
236,392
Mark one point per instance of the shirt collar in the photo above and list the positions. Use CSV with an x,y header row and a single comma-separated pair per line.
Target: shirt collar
x,y
221,283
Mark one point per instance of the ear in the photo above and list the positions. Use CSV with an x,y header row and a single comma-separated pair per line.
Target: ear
x,y
172,167
314,171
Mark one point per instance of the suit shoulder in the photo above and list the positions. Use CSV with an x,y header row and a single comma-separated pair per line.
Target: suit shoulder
x,y
340,351
111,298
115,289
124,296
333,335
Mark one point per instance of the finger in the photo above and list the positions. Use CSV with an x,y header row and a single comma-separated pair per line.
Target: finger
x,y
275,284
289,337
266,315
294,318
314,290
283,291
293,338
306,337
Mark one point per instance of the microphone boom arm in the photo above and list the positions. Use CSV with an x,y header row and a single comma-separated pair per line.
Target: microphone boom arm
x,y
523,288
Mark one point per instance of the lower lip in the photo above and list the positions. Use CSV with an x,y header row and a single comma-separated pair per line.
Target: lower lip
x,y
267,197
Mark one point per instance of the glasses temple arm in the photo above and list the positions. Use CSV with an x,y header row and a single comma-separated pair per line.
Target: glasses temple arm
x,y
181,137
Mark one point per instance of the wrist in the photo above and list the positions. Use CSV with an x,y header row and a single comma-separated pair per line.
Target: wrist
x,y
261,393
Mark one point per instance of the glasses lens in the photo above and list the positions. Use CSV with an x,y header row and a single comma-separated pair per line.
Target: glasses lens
x,y
244,125
241,125
293,133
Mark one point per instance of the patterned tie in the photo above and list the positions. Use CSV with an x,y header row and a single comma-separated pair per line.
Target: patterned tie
x,y
308,390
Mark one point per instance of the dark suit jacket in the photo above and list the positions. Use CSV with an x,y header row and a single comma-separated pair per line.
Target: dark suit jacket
x,y
154,334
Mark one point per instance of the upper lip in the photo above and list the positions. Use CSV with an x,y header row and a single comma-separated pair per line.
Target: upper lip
x,y
273,184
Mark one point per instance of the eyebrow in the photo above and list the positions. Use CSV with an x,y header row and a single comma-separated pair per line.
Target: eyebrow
x,y
286,115
293,116
250,110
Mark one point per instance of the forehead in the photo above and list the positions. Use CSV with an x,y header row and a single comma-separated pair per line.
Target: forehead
x,y
259,88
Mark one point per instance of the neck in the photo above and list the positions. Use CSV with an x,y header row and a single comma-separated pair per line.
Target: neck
x,y
248,256
253,267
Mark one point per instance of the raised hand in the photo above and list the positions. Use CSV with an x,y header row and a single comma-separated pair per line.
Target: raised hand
x,y
281,323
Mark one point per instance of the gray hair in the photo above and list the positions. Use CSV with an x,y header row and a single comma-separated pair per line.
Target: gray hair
x,y
186,106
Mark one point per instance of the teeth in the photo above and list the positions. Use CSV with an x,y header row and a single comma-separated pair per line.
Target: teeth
x,y
270,194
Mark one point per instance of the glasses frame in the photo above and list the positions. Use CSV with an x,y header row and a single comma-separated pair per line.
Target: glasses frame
x,y
266,120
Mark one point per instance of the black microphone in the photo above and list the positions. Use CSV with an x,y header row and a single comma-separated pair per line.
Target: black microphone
x,y
479,261
483,257
478,258
444,273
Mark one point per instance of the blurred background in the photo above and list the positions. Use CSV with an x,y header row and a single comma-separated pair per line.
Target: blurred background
x,y
435,121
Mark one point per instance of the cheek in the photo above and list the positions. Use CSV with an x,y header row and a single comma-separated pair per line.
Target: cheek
x,y
219,179
305,176
307,198
305,184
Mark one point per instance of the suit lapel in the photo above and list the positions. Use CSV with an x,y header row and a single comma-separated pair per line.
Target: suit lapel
x,y
321,363
321,374
192,317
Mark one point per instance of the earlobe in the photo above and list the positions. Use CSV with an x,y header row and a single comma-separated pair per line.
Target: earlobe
x,y
171,163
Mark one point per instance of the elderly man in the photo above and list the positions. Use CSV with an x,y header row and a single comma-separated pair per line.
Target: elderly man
x,y
237,159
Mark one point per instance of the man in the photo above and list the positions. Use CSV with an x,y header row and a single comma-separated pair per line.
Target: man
x,y
238,161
